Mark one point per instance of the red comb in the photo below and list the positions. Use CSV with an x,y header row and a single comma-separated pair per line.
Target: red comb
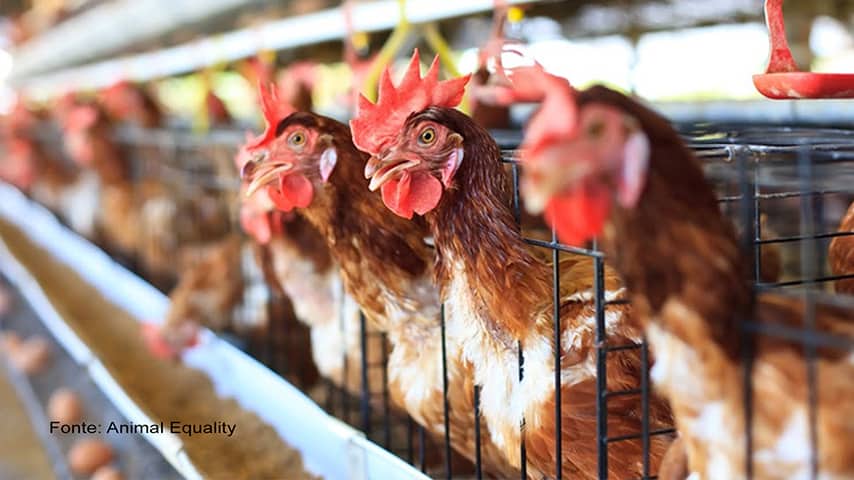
x,y
274,109
377,124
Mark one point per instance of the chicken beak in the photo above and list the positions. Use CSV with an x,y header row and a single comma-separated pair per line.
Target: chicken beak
x,y
265,174
384,170
372,166
548,176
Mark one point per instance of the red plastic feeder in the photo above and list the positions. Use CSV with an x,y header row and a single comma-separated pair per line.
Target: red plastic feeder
x,y
783,80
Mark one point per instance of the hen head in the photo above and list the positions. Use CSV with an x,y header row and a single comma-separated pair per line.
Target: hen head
x,y
122,100
297,83
578,159
21,119
258,215
411,136
77,126
20,168
299,151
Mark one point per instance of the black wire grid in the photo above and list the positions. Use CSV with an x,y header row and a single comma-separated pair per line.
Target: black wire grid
x,y
806,178
798,180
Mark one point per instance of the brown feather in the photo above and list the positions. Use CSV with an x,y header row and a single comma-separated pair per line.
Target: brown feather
x,y
841,254
387,267
695,299
512,293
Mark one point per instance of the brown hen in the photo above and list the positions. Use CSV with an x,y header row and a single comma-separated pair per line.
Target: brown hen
x,y
384,263
660,224
433,160
841,254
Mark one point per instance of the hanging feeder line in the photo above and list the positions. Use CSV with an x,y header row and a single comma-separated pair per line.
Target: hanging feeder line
x,y
288,33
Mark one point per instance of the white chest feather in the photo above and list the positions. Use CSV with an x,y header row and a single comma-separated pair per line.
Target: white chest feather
x,y
505,399
708,417
495,357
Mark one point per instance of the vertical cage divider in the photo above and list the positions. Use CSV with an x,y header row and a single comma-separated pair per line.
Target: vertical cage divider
x,y
447,419
365,399
343,389
517,216
422,450
385,393
523,454
477,460
809,271
343,394
748,214
517,211
281,340
601,366
557,354
645,408
272,316
410,445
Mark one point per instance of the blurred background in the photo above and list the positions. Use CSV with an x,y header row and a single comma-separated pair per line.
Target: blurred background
x,y
122,131
664,51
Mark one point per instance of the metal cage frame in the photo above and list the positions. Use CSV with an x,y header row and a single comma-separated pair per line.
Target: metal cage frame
x,y
737,156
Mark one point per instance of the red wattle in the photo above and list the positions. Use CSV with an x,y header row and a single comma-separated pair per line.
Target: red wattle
x,y
418,193
293,191
579,215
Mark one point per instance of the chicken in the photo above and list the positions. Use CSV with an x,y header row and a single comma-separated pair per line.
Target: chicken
x,y
126,102
88,141
206,295
72,193
218,115
297,263
296,84
312,166
37,169
220,292
169,225
431,159
19,163
841,254
148,233
601,164
22,154
770,255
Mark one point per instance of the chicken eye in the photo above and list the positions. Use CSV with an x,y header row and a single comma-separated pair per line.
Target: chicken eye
x,y
427,137
596,128
297,139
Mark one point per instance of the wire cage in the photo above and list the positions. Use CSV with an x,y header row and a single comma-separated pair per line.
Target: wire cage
x,y
784,188
787,189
